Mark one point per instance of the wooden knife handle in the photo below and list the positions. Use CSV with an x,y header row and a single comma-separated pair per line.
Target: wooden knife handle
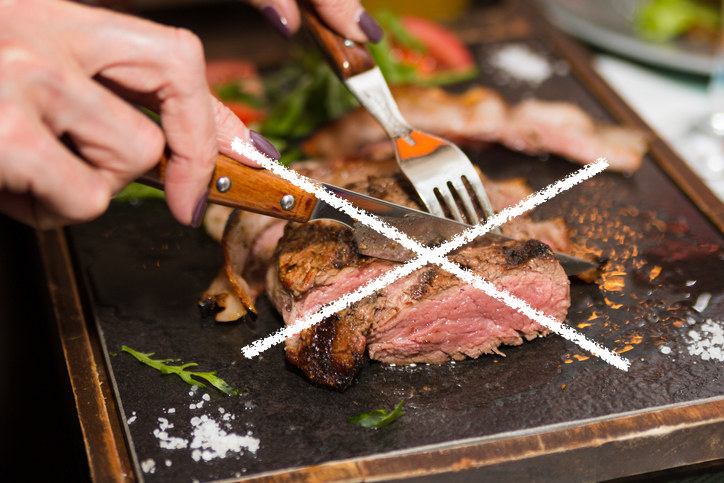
x,y
346,57
239,186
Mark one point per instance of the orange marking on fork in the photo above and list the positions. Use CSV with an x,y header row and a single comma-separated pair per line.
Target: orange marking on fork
x,y
423,145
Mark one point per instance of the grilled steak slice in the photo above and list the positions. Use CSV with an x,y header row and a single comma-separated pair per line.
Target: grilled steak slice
x,y
452,320
479,116
429,316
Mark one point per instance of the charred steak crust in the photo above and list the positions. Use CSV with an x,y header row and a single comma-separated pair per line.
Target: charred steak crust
x,y
517,255
332,352
312,251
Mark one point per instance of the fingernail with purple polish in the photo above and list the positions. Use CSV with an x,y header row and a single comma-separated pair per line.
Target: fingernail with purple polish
x,y
200,210
275,18
263,145
370,27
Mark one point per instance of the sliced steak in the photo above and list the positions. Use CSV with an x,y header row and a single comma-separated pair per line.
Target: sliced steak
x,y
428,316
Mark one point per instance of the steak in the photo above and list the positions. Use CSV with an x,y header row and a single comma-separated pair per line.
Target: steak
x,y
429,316
479,116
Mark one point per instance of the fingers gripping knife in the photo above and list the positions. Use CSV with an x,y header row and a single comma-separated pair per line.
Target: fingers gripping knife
x,y
444,178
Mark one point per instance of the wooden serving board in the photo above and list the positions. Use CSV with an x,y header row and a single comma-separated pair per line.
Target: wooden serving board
x,y
548,410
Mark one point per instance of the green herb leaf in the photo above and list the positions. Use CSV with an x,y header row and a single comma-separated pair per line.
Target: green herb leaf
x,y
378,417
136,191
180,371
234,91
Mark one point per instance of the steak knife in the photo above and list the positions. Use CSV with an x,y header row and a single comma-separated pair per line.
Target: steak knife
x,y
261,191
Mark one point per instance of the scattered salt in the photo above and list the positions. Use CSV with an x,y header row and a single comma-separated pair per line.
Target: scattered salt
x,y
708,341
702,302
132,419
148,466
665,350
164,439
163,424
210,441
168,463
519,63
206,397
171,410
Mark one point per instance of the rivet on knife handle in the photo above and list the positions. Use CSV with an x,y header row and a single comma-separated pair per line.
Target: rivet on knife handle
x,y
259,190
239,186
348,58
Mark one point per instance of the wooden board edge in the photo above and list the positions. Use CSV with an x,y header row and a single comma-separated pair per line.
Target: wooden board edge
x,y
105,444
612,448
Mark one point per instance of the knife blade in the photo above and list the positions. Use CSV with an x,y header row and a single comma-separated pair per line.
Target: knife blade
x,y
261,191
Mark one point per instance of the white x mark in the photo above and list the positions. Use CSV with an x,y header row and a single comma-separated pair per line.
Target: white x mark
x,y
427,255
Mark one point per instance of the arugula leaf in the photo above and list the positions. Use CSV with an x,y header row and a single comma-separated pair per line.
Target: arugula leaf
x,y
234,91
180,371
378,417
304,95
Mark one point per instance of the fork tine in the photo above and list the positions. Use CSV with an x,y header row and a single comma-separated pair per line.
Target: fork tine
x,y
452,206
470,213
477,186
429,199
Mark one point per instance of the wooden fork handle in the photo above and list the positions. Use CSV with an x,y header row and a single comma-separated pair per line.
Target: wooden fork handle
x,y
239,186
346,57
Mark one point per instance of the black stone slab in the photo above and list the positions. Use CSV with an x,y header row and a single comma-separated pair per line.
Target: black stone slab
x,y
143,274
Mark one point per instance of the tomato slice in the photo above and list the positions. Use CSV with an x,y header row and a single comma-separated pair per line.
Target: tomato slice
x,y
246,113
242,75
442,45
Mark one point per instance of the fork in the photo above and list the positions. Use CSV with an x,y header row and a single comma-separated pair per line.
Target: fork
x,y
443,176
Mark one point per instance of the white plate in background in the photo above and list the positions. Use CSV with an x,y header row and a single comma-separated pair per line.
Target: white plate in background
x,y
608,24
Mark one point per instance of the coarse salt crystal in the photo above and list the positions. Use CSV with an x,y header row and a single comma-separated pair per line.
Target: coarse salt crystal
x,y
708,341
702,302
206,397
148,466
163,424
665,350
519,62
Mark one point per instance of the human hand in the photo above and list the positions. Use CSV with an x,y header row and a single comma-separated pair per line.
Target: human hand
x,y
67,72
347,17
